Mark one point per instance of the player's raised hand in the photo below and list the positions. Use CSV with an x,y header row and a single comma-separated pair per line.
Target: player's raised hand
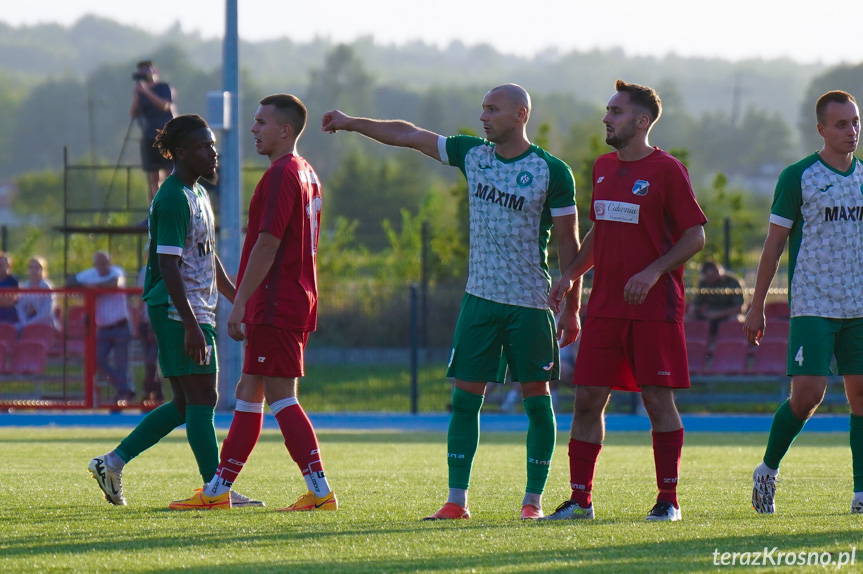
x,y
334,121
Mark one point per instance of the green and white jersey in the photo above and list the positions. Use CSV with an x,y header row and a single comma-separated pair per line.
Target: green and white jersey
x,y
511,204
824,210
181,224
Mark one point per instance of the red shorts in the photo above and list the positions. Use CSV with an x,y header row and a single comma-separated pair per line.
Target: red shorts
x,y
274,352
627,355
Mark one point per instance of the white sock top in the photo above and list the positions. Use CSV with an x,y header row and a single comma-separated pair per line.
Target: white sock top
x,y
279,405
247,407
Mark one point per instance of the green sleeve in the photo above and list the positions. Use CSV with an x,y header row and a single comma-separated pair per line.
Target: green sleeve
x,y
561,191
788,196
172,215
457,148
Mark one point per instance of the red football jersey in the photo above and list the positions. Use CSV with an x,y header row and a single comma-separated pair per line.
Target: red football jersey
x,y
639,209
287,205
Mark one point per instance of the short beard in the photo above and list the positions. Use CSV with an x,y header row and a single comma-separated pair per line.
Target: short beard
x,y
616,142
212,179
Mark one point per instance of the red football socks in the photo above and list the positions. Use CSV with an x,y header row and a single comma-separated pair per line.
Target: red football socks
x,y
582,467
302,444
242,438
666,454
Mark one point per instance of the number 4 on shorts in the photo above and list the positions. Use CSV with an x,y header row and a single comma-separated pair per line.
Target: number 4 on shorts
x,y
799,356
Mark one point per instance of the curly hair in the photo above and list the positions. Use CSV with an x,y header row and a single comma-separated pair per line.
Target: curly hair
x,y
175,132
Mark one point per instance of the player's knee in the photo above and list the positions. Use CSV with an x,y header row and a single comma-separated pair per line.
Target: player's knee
x,y
804,402
590,402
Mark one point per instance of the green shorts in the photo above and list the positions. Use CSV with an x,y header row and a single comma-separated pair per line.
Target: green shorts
x,y
813,342
171,339
489,336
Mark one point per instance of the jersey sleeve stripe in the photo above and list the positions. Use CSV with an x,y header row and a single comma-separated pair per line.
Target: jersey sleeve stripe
x,y
169,250
441,148
560,211
781,221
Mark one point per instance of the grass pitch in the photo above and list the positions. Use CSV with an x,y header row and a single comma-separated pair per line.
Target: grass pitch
x,y
54,518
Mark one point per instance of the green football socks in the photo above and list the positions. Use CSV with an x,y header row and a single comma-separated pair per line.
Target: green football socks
x,y
153,428
201,434
541,438
856,439
785,428
462,436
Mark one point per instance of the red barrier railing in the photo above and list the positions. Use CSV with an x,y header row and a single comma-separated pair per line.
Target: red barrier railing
x,y
52,363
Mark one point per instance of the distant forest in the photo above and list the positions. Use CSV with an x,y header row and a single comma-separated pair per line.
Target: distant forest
x,y
736,124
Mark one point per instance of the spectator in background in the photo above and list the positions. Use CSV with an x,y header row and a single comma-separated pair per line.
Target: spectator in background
x,y
112,322
153,106
8,314
719,298
36,308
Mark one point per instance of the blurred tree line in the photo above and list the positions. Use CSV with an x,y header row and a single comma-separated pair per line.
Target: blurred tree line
x,y
735,125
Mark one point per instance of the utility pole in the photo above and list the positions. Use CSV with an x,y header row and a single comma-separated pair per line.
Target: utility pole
x,y
230,352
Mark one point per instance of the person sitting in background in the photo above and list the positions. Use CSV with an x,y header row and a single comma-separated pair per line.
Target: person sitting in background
x,y
720,296
36,308
7,281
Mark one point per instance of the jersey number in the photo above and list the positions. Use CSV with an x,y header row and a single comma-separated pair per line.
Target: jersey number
x,y
799,356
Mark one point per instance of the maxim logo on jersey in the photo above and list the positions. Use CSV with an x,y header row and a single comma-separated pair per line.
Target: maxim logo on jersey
x,y
640,187
616,211
205,248
841,213
493,195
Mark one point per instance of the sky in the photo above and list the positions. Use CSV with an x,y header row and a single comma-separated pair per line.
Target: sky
x,y
733,29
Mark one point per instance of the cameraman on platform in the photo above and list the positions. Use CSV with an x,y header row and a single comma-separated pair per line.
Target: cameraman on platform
x,y
153,106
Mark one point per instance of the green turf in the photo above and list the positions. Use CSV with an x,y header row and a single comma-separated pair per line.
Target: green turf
x,y
328,388
53,517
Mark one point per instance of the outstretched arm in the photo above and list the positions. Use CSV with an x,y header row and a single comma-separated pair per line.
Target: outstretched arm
x,y
397,133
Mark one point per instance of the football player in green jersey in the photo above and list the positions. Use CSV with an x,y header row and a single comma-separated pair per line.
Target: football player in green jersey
x,y
182,285
816,209
516,191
